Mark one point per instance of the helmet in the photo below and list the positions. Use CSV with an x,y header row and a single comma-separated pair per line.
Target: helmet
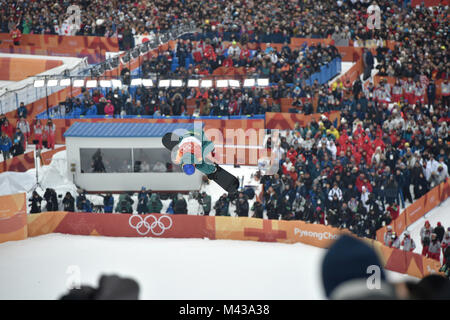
x,y
389,228
406,233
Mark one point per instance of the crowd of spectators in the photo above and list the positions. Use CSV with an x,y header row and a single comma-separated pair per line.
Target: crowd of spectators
x,y
145,201
245,21
288,68
380,155
420,53
14,140
358,175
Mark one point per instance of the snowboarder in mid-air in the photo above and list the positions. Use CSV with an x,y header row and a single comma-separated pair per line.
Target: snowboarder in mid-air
x,y
192,151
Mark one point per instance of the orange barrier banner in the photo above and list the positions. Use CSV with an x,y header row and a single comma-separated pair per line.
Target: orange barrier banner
x,y
427,202
275,231
16,69
400,223
92,55
13,217
401,261
285,121
21,163
48,41
122,225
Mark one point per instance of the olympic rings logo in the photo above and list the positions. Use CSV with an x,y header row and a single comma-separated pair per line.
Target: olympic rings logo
x,y
153,226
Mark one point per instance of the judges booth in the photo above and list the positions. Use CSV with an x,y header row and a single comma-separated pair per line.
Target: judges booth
x,y
125,157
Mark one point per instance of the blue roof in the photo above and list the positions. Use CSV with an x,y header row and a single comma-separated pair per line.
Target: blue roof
x,y
123,129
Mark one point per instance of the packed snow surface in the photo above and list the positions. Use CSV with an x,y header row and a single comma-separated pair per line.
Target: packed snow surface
x,y
42,267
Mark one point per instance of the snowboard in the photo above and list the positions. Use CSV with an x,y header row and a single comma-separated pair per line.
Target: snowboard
x,y
222,177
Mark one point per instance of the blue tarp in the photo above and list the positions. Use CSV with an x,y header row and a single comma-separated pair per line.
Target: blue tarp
x,y
123,130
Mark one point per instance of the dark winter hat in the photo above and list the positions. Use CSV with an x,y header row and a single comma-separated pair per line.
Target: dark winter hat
x,y
347,259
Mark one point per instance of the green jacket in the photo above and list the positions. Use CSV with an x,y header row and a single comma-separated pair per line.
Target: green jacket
x,y
154,205
127,208
206,203
124,197
26,25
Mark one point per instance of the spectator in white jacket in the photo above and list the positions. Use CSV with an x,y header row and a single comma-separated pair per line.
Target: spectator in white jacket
x,y
234,50
378,156
193,206
395,241
365,197
331,146
408,243
434,250
388,235
335,191
431,166
444,166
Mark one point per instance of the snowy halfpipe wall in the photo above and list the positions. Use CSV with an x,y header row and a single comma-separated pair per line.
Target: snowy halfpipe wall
x,y
13,217
207,227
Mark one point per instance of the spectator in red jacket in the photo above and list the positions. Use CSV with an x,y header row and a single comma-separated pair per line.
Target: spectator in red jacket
x,y
362,181
293,174
7,128
425,238
393,210
292,154
228,62
109,108
233,107
16,36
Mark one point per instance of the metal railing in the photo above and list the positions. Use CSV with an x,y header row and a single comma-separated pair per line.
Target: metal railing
x,y
25,92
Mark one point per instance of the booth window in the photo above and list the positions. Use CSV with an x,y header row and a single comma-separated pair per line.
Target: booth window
x,y
115,160
111,160
153,160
